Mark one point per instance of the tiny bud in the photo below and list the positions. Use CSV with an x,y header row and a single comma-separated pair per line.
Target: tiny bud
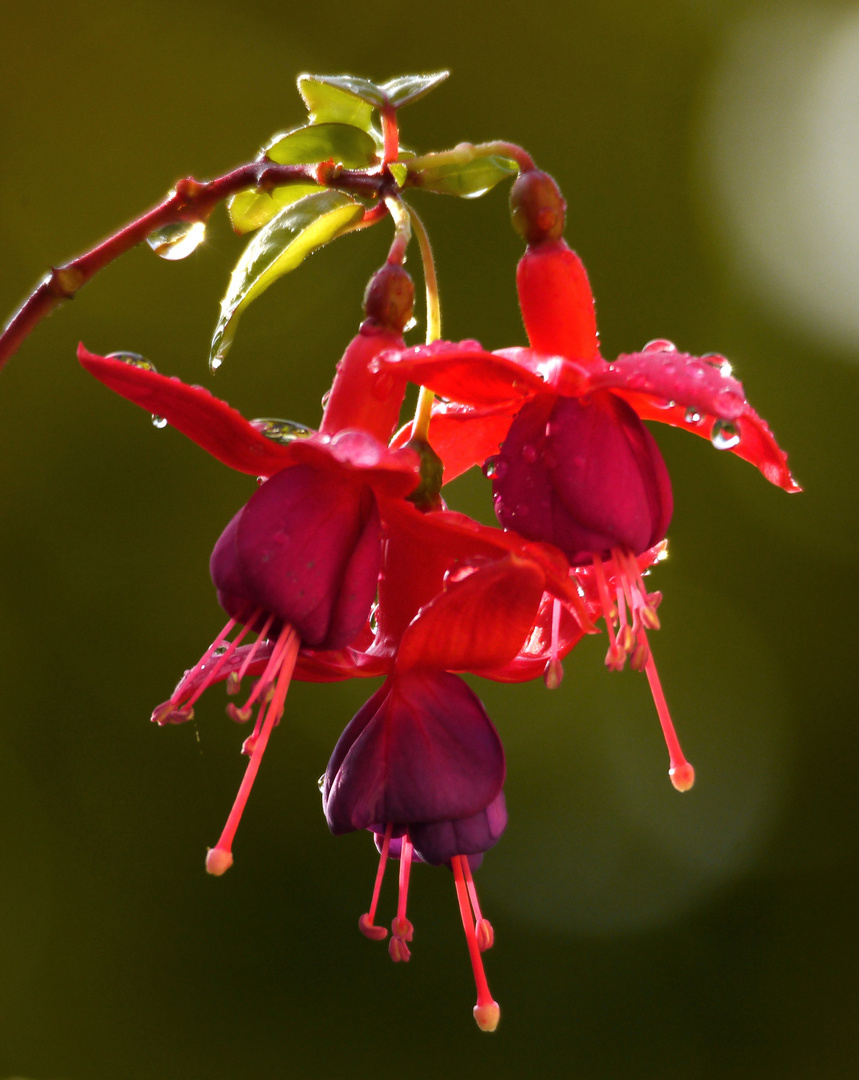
x,y
390,298
682,776
537,207
487,1016
218,861
399,950
485,934
370,930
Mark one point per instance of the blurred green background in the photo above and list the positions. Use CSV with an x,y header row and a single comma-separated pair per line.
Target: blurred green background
x,y
709,152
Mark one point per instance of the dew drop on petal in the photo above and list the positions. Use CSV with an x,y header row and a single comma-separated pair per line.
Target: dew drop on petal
x,y
320,783
177,241
494,468
133,359
692,416
281,431
216,361
159,422
660,345
725,435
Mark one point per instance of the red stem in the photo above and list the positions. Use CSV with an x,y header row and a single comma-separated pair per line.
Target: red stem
x,y
192,201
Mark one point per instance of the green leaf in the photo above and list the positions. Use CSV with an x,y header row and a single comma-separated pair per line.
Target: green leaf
x,y
461,172
252,209
399,171
283,244
409,88
348,145
339,99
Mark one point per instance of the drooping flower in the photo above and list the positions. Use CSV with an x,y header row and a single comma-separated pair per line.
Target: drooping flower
x,y
559,430
300,561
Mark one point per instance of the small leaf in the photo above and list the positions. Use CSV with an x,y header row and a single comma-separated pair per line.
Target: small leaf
x,y
339,99
461,172
408,88
399,170
252,209
348,145
278,248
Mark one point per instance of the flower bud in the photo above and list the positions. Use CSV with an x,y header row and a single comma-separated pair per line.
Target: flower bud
x,y
537,207
390,298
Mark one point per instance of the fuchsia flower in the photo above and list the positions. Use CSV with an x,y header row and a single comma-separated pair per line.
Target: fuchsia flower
x,y
300,561
570,460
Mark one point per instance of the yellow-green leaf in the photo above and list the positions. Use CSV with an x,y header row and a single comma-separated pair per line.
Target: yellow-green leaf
x,y
252,209
348,145
461,171
338,99
279,247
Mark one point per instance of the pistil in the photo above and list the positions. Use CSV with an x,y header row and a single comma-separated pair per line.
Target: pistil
x,y
487,1012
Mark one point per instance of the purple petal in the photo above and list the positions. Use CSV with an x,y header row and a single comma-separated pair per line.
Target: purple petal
x,y
439,842
421,750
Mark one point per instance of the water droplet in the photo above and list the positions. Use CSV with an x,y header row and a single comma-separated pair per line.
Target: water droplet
x,y
724,435
494,468
159,422
410,325
221,649
660,345
178,240
216,361
665,404
326,397
692,416
282,431
320,783
134,359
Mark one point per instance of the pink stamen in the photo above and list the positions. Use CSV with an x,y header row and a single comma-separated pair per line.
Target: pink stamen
x,y
482,927
554,671
235,679
222,659
366,924
486,1012
608,611
401,929
220,857
680,771
189,676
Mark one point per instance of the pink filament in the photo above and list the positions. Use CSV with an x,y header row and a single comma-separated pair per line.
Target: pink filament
x,y
290,642
484,996
681,772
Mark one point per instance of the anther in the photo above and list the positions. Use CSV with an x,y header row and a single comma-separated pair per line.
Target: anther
x,y
218,861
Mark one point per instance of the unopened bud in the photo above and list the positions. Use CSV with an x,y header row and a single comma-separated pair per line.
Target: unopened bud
x,y
537,207
487,1016
390,298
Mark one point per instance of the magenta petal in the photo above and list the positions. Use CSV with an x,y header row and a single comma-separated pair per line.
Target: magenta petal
x,y
421,750
439,842
305,548
676,378
585,477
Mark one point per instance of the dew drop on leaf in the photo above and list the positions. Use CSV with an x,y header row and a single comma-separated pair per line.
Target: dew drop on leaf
x,y
177,241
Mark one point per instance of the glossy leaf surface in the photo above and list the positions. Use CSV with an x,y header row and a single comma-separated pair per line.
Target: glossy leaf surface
x,y
344,143
408,88
278,248
339,99
250,210
460,172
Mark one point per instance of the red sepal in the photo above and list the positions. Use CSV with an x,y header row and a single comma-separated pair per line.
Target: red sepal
x,y
478,621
